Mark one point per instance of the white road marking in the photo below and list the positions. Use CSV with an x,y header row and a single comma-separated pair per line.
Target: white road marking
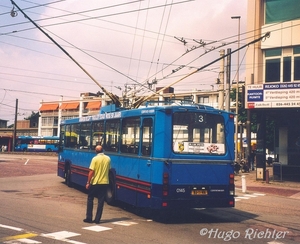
x,y
241,197
23,240
259,194
96,228
248,195
62,236
11,227
124,223
73,242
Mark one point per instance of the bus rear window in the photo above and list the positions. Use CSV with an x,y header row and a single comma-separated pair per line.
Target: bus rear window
x,y
198,133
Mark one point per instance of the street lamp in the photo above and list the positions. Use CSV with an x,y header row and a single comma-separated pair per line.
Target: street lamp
x,y
237,88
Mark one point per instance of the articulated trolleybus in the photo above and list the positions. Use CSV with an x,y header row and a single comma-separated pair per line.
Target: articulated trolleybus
x,y
162,157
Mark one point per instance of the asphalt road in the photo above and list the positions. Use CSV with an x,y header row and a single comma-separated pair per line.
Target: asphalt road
x,y
37,207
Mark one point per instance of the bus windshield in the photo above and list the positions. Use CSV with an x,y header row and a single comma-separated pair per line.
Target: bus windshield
x,y
198,133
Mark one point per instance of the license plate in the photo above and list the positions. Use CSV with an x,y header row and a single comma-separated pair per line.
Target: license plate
x,y
199,192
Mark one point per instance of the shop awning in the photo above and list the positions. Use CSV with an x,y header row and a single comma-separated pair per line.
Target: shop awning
x,y
49,106
93,105
68,106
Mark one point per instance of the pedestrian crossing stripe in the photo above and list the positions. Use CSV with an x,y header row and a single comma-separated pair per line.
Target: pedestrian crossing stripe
x,y
241,197
124,223
63,236
96,228
60,235
248,196
236,199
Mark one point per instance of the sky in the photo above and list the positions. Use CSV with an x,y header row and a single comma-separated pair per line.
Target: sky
x,y
128,47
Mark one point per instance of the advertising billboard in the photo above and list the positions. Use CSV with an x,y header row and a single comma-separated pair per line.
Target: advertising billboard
x,y
275,95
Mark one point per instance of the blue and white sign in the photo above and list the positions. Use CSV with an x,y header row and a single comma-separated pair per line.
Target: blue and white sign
x,y
275,95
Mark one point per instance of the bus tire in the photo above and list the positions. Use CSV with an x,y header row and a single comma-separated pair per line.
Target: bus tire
x,y
111,192
68,179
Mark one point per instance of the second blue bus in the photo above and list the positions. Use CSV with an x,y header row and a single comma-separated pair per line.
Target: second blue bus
x,y
37,143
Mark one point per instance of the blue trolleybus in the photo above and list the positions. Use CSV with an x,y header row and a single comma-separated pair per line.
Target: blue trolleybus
x,y
37,143
162,157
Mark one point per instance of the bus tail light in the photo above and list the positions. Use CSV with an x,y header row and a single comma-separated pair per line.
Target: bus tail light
x,y
231,184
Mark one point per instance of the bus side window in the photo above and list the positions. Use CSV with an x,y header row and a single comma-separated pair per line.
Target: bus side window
x,y
97,134
130,135
147,128
71,136
112,136
85,136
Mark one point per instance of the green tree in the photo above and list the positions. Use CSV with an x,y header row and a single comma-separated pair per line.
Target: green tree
x,y
33,115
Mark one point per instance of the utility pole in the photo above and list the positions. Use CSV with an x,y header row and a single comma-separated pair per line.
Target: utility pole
x,y
228,71
237,92
15,126
248,124
221,81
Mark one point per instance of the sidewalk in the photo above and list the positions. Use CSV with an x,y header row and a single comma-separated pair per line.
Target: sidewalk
x,y
275,187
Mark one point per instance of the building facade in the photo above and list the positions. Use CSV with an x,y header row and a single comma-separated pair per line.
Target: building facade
x,y
273,77
28,127
53,112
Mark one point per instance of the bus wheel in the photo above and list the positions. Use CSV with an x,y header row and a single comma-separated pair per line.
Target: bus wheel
x,y
68,180
110,193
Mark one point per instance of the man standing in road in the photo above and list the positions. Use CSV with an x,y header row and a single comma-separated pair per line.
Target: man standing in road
x,y
97,183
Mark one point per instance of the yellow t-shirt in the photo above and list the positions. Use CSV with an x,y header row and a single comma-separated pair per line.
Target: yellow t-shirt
x,y
100,165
